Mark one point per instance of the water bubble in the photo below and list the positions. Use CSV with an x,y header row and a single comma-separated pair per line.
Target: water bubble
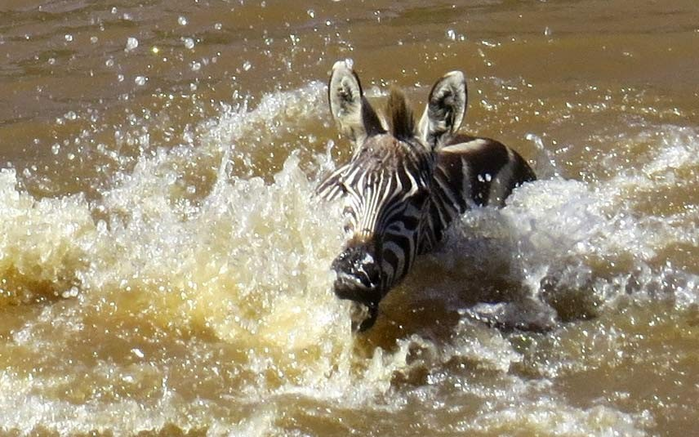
x,y
73,292
188,43
55,148
140,80
182,21
131,43
547,31
94,39
70,115
218,26
247,65
68,37
120,78
196,66
109,62
311,13
452,35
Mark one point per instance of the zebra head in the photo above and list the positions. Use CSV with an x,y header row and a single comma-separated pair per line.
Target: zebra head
x,y
386,185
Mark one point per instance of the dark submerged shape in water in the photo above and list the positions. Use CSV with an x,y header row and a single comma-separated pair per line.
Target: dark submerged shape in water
x,y
406,183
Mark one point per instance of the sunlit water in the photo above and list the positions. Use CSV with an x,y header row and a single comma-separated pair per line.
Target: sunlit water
x,y
164,267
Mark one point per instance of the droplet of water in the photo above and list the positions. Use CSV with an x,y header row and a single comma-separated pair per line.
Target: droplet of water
x,y
182,21
247,65
73,292
68,37
131,43
451,35
188,43
140,80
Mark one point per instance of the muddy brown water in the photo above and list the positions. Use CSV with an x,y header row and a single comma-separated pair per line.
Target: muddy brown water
x,y
164,268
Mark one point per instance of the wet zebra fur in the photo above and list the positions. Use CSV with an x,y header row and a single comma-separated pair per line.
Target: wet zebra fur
x,y
406,183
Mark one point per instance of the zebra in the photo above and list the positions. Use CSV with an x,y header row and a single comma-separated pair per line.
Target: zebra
x,y
405,182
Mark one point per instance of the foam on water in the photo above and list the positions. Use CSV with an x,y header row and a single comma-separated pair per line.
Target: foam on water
x,y
43,243
593,237
212,308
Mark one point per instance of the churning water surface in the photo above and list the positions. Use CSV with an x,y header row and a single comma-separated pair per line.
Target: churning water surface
x,y
164,268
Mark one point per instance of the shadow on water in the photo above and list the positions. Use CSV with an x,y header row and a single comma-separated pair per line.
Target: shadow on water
x,y
480,281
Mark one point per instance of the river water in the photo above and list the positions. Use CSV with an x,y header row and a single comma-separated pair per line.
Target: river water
x,y
164,269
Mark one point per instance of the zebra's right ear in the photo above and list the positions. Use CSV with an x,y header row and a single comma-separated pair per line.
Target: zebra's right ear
x,y
351,111
445,110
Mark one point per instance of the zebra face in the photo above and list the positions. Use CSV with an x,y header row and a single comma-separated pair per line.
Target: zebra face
x,y
386,185
385,189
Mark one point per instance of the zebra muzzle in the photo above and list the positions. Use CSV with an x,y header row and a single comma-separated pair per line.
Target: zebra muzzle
x,y
359,279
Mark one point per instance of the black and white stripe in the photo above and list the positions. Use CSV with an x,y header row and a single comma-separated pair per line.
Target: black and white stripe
x,y
405,184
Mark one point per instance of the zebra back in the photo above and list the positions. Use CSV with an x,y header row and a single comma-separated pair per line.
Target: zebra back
x,y
470,172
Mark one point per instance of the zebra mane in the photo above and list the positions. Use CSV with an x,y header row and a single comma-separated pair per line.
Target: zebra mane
x,y
400,116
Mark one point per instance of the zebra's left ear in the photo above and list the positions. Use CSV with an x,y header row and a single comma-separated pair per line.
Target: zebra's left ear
x,y
445,110
352,112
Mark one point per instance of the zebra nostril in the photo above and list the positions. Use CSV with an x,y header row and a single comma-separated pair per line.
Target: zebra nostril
x,y
372,273
357,264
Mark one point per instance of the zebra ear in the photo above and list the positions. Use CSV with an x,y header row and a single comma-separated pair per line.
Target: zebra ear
x,y
445,109
352,112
